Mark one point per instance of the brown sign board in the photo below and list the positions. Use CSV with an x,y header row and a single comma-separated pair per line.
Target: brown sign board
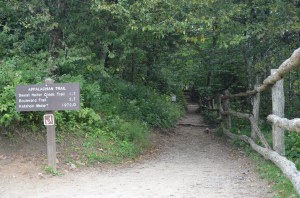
x,y
48,97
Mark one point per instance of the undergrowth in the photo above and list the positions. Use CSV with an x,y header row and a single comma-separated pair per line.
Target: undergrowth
x,y
115,116
51,171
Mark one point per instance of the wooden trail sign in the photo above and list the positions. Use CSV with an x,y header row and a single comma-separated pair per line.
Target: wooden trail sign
x,y
48,97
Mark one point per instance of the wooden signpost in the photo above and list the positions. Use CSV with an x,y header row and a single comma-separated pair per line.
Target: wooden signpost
x,y
49,97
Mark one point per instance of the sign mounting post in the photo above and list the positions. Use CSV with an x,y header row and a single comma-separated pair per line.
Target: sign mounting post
x,y
51,134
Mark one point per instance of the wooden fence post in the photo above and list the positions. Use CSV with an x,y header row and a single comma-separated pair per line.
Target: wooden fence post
x,y
208,104
278,109
255,112
226,108
220,108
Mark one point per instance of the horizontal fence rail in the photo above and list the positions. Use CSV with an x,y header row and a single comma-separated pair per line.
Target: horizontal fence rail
x,y
287,66
291,125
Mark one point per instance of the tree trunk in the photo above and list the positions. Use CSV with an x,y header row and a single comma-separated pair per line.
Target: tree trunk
x,y
150,64
56,42
57,34
103,56
247,64
133,69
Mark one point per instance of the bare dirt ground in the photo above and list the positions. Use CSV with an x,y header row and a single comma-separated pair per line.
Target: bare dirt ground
x,y
191,163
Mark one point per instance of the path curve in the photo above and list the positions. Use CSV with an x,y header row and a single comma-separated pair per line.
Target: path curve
x,y
192,164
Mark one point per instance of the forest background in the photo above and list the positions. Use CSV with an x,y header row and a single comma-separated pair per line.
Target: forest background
x,y
130,57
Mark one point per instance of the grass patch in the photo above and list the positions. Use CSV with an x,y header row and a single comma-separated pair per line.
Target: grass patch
x,y
50,170
113,141
107,150
281,186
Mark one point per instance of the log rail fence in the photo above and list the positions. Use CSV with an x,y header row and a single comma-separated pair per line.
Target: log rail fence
x,y
279,123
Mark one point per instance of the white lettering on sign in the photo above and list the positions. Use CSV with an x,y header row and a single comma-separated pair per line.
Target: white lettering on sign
x,y
24,95
27,100
72,99
60,88
26,106
41,105
60,93
42,100
36,94
49,94
68,104
40,89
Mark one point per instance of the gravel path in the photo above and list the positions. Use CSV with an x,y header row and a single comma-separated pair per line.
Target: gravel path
x,y
191,164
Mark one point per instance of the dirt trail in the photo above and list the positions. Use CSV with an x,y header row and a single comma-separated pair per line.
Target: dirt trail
x,y
191,164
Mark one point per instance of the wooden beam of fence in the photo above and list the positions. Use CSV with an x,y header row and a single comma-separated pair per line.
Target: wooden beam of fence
x,y
254,126
257,131
288,65
208,108
244,116
242,94
220,108
284,68
255,111
226,107
291,125
287,167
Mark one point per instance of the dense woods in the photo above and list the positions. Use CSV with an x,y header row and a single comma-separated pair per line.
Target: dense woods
x,y
131,56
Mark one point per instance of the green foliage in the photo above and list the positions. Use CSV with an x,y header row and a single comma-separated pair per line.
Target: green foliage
x,y
16,71
210,118
50,170
9,78
115,140
292,142
8,107
267,170
136,102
